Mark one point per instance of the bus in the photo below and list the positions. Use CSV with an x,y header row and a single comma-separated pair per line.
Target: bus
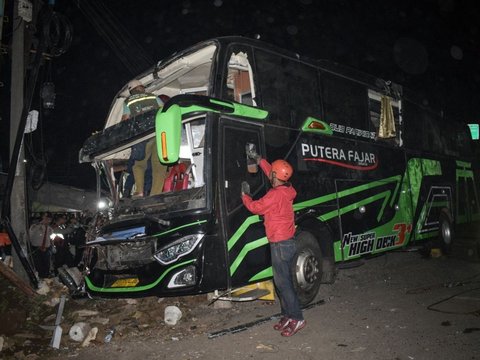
x,y
375,171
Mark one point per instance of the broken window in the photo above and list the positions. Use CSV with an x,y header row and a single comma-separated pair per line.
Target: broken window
x,y
188,74
385,120
134,170
240,87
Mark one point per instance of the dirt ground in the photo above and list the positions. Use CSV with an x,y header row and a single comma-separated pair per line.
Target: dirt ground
x,y
396,306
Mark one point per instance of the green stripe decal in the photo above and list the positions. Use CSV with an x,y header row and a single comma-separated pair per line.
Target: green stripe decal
x,y
417,169
243,110
138,288
464,164
236,110
407,186
324,129
347,192
323,217
395,192
267,273
427,235
249,221
315,201
248,247
198,222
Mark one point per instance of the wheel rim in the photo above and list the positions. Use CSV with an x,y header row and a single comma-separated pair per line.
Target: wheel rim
x,y
307,269
446,232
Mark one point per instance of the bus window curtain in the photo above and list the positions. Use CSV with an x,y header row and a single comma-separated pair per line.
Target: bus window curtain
x,y
387,121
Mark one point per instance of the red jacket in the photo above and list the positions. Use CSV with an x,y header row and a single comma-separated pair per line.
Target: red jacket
x,y
276,207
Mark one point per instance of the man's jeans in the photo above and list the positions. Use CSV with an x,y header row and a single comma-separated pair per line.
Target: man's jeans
x,y
283,253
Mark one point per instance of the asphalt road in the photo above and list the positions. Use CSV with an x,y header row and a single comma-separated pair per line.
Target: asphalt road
x,y
396,306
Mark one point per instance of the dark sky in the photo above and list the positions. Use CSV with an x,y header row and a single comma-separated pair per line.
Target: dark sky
x,y
430,46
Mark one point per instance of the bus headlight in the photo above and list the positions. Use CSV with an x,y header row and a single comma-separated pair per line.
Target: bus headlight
x,y
177,249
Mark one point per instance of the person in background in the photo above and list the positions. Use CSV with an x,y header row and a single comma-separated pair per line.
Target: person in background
x,y
137,103
62,255
277,209
77,238
5,246
40,234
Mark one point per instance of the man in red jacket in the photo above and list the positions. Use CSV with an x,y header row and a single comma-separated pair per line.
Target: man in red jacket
x,y
277,209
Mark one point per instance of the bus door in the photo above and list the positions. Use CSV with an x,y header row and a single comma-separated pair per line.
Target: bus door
x,y
248,252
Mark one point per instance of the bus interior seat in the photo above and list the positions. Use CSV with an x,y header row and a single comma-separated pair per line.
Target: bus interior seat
x,y
177,178
164,98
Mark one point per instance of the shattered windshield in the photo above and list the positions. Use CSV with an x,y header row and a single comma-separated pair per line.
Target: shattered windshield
x,y
137,179
186,74
126,153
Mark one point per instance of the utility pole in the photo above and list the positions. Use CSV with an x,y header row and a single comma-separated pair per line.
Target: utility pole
x,y
18,212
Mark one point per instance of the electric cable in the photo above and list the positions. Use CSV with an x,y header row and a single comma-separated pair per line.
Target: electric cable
x,y
450,284
142,58
38,165
130,53
58,33
107,37
474,312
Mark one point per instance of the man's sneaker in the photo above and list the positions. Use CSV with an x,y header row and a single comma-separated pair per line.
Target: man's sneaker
x,y
293,327
282,324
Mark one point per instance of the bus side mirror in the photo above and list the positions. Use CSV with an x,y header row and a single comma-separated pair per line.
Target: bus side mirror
x,y
168,131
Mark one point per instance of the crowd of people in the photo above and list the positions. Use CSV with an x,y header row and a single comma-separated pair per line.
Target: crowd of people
x,y
57,240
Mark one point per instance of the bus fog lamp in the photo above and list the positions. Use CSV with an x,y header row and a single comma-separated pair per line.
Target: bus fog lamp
x,y
177,249
185,277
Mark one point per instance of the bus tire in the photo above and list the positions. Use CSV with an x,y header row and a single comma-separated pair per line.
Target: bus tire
x,y
307,268
446,233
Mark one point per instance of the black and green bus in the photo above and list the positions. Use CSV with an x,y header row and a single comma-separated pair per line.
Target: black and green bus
x,y
374,169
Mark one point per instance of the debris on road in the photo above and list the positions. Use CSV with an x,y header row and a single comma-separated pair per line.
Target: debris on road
x,y
172,315
92,335
79,331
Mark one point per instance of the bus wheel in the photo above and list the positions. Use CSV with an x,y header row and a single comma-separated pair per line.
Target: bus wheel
x,y
307,268
446,233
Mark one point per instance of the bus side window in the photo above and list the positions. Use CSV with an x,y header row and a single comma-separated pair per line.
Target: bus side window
x,y
235,164
472,196
288,88
413,124
240,86
449,132
344,103
384,129
463,140
431,128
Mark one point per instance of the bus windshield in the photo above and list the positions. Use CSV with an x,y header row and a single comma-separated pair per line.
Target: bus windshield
x,y
136,177
125,152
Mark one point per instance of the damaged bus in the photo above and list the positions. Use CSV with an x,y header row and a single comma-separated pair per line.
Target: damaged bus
x,y
374,171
